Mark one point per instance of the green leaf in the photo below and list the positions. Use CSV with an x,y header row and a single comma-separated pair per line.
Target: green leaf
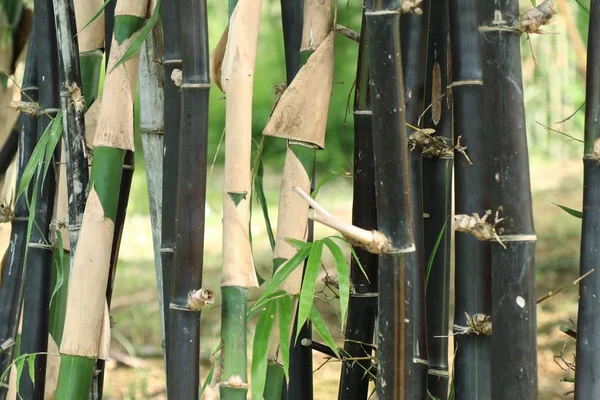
x,y
570,211
298,244
19,364
433,252
343,275
55,130
329,175
583,6
284,271
260,349
58,260
262,202
36,159
307,293
136,44
259,305
321,328
285,321
95,17
31,367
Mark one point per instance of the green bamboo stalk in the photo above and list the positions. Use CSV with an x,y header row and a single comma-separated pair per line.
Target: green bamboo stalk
x,y
309,93
362,307
13,278
34,338
400,364
89,276
238,269
473,285
186,280
586,382
437,199
514,355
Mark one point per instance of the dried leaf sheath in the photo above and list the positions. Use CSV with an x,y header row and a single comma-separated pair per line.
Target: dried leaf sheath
x,y
237,80
89,275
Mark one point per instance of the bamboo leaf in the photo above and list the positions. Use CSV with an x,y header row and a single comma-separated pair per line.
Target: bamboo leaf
x,y
583,6
31,367
343,275
285,321
570,211
37,158
307,293
262,202
95,17
136,44
19,364
58,259
260,348
321,328
259,305
284,271
54,130
433,252
329,175
295,242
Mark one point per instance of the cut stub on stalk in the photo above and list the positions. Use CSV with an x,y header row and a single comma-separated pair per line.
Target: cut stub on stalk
x,y
477,324
373,241
317,23
197,299
301,113
479,226
532,20
85,314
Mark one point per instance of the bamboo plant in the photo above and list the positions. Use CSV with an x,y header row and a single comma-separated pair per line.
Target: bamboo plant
x,y
414,24
38,262
586,382
235,76
400,364
362,307
170,17
514,370
13,278
89,276
473,290
187,295
151,84
300,116
437,199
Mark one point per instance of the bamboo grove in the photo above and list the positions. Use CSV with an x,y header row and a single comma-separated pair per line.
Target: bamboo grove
x,y
441,243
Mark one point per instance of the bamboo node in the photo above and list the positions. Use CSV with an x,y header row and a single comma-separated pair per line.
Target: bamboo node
x,y
76,97
532,20
478,226
435,146
411,6
26,107
478,324
380,244
177,77
197,299
235,382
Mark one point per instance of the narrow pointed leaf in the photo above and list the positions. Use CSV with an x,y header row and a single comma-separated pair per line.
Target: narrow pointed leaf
x,y
570,211
343,275
31,367
307,293
321,327
260,348
433,252
285,321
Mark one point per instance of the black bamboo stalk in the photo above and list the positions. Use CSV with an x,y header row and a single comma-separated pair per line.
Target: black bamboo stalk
x,y
184,316
362,307
437,200
109,25
400,364
587,385
172,116
300,385
13,278
9,150
514,369
34,338
414,53
473,284
73,107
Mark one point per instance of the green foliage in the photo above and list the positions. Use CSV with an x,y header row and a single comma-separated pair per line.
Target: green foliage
x,y
433,252
260,349
309,283
343,275
96,15
58,258
570,211
327,176
584,6
285,321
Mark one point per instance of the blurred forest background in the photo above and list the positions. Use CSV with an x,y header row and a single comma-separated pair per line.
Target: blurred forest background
x,y
553,75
